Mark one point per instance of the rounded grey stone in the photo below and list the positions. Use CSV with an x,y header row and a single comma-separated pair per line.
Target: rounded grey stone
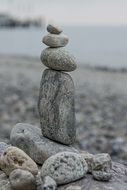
x,y
54,40
102,162
30,139
58,59
22,180
54,29
56,107
101,167
101,175
49,183
65,167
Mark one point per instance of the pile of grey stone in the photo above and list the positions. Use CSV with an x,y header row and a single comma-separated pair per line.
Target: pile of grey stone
x,y
44,158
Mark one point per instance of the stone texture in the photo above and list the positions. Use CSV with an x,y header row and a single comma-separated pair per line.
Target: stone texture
x,y
56,107
14,158
101,167
88,158
39,183
30,139
4,182
58,59
22,180
65,167
54,29
102,175
3,147
73,188
118,181
54,40
49,183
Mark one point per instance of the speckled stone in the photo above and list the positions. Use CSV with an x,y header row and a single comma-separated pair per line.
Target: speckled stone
x,y
58,59
56,107
49,183
54,40
65,167
53,29
14,158
102,175
22,180
101,167
88,158
30,139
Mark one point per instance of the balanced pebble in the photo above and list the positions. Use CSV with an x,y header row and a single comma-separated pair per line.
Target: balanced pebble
x,y
58,59
54,29
22,180
54,40
14,158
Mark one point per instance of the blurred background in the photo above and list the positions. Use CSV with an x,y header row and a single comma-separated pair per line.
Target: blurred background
x,y
97,30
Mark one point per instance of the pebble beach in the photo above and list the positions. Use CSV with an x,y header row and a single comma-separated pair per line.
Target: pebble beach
x,y
100,103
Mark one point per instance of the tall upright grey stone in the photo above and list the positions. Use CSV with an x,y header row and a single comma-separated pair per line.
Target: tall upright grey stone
x,y
56,98
56,106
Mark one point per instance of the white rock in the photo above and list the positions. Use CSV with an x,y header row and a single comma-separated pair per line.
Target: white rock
x,y
54,40
14,158
65,167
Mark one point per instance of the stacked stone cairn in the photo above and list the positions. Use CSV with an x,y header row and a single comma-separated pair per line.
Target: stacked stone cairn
x,y
51,146
56,100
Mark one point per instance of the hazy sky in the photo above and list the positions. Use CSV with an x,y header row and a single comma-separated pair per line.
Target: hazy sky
x,y
97,12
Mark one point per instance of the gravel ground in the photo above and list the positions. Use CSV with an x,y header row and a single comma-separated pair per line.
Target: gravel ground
x,y
101,104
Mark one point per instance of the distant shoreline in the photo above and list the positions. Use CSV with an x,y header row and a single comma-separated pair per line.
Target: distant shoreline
x,y
8,21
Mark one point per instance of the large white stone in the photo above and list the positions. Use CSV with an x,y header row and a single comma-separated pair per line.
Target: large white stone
x,y
65,167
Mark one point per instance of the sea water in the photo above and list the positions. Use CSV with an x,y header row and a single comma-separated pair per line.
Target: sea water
x,y
92,45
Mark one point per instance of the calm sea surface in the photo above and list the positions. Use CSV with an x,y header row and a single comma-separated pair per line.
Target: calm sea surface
x,y
100,46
